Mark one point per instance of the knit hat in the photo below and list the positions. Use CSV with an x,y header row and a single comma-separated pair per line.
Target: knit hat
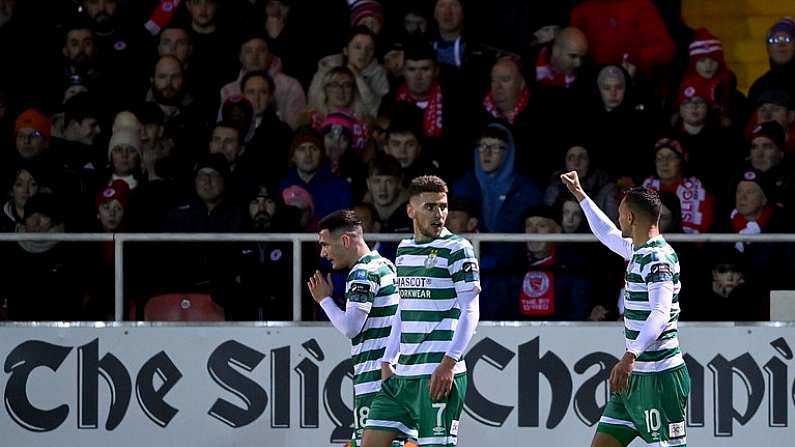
x,y
125,137
366,8
705,44
298,197
544,211
44,203
785,25
758,177
345,121
117,190
33,119
771,130
306,134
672,144
217,162
694,86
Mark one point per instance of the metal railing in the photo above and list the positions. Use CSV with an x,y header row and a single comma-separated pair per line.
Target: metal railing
x,y
298,238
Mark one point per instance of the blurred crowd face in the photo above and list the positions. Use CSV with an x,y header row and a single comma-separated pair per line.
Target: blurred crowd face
x,y
99,8
765,155
668,165
226,141
110,215
175,42
612,91
506,82
203,12
385,189
84,131
491,153
577,159
360,51
277,9
404,147
419,76
167,81
38,223
124,159
707,67
782,48
262,210
307,158
368,218
725,279
30,143
23,188
79,47
255,55
258,92
459,221
774,112
749,199
449,15
694,111
569,51
415,24
210,185
540,225
339,91
572,216
336,141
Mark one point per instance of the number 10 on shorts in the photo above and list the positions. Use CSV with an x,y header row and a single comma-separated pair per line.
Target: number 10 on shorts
x,y
653,422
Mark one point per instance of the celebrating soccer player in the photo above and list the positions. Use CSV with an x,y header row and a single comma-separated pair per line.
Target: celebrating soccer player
x,y
371,302
650,384
439,283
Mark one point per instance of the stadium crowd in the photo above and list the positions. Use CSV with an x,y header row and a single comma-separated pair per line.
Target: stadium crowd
x,y
228,116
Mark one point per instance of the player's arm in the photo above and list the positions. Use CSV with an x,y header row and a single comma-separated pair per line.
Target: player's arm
x,y
661,295
601,225
392,351
359,302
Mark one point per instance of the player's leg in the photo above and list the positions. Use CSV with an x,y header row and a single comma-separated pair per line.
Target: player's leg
x,y
615,428
389,417
659,404
439,420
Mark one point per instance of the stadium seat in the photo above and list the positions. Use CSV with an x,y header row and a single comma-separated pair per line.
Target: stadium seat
x,y
182,307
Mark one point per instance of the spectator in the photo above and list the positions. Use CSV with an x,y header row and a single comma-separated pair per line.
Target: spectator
x,y
781,51
558,64
593,180
124,155
367,13
283,41
80,58
672,176
310,170
767,156
262,290
386,193
25,181
32,135
572,219
370,77
287,94
462,216
629,32
404,142
225,139
728,296
299,199
422,89
778,106
42,278
175,41
112,204
74,138
755,211
338,92
503,196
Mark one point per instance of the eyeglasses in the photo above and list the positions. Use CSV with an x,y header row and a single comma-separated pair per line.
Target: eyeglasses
x,y
491,147
781,38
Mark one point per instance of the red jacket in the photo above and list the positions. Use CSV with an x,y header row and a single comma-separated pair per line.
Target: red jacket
x,y
618,27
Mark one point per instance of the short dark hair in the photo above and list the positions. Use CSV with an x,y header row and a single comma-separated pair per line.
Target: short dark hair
x,y
360,30
497,132
257,73
419,50
79,108
384,164
426,183
345,220
369,207
644,201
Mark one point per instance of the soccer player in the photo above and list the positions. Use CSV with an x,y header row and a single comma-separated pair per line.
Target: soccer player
x,y
650,384
438,279
371,303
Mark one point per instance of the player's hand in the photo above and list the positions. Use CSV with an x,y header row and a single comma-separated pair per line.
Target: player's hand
x,y
442,379
619,376
319,286
387,371
572,182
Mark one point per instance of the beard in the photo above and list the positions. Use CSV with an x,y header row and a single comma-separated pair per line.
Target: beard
x,y
262,221
167,96
106,23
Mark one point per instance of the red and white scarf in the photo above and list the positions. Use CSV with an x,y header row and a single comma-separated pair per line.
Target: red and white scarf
x,y
694,199
521,104
432,122
741,225
548,75
537,297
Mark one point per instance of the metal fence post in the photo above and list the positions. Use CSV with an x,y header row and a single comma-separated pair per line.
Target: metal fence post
x,y
118,269
297,279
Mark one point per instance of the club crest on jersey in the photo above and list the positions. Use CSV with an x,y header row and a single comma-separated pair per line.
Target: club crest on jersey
x,y
431,260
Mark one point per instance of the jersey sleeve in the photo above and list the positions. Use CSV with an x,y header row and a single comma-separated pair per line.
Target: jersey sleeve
x,y
464,268
658,269
361,289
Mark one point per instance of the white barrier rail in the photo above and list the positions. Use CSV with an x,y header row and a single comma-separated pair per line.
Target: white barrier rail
x,y
298,238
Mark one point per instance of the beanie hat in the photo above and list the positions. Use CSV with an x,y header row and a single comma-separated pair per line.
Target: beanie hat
x,y
705,44
298,197
771,130
672,144
125,137
758,177
366,8
785,25
338,119
547,212
33,119
695,86
217,162
303,135
44,203
117,190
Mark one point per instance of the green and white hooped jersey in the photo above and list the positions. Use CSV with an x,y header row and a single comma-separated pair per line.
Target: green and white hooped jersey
x,y
370,286
430,276
653,262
